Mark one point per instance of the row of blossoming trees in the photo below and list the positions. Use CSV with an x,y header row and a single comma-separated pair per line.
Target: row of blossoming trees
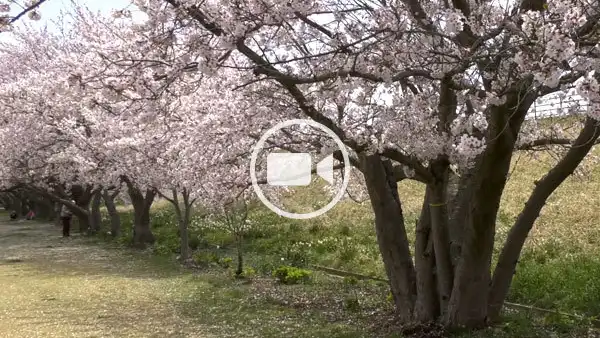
x,y
433,91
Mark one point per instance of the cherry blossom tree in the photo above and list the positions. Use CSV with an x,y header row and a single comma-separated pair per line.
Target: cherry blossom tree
x,y
123,118
430,91
421,86
29,8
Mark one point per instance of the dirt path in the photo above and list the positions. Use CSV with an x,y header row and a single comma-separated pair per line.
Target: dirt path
x,y
52,287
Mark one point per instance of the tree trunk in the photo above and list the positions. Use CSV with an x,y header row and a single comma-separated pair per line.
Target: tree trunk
x,y
17,204
437,193
391,232
183,220
95,216
427,308
142,234
240,254
460,204
57,208
115,219
24,208
469,300
509,256
83,197
44,209
84,220
185,236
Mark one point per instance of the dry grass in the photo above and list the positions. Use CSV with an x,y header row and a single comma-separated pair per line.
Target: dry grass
x,y
52,287
63,288
571,216
56,288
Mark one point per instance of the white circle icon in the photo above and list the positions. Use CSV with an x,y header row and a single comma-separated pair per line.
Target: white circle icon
x,y
295,169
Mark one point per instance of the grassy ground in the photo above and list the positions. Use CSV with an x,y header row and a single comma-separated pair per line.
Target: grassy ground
x,y
52,287
83,288
86,287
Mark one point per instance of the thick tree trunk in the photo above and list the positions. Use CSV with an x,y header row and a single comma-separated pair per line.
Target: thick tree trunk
x,y
183,220
142,234
17,205
84,220
95,216
113,214
44,209
460,204
469,300
391,233
83,197
24,207
509,256
427,308
437,192
57,208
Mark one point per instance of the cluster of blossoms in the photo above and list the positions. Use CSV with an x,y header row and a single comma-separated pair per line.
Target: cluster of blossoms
x,y
100,102
154,99
375,70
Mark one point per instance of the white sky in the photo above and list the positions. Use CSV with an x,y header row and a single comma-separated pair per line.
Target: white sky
x,y
51,9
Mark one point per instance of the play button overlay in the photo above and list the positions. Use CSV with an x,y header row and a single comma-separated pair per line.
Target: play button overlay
x,y
325,169
285,169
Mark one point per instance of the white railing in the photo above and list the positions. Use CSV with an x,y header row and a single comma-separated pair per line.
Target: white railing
x,y
558,106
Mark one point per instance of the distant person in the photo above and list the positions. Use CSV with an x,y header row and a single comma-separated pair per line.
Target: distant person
x,y
65,217
13,215
30,215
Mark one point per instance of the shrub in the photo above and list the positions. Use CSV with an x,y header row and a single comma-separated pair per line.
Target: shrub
x,y
163,217
225,262
194,242
248,273
291,275
205,258
162,249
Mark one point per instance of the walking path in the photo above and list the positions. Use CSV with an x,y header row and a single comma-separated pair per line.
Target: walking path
x,y
54,287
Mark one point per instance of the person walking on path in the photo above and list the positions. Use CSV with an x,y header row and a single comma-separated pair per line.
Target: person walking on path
x,y
65,217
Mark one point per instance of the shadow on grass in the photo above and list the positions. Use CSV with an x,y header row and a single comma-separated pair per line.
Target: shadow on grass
x,y
40,248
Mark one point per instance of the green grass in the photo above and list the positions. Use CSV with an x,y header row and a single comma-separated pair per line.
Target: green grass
x,y
558,270
147,290
82,288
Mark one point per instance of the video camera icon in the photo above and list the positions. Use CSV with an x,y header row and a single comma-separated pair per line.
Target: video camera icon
x,y
295,169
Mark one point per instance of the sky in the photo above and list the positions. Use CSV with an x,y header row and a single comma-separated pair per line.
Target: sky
x,y
51,9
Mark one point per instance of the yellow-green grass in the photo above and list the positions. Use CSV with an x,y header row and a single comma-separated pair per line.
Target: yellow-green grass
x,y
54,287
50,287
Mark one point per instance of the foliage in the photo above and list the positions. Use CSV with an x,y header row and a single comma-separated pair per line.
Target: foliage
x,y
248,273
205,259
226,262
291,275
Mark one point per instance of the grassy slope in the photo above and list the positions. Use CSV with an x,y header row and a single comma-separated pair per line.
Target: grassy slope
x,y
559,270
